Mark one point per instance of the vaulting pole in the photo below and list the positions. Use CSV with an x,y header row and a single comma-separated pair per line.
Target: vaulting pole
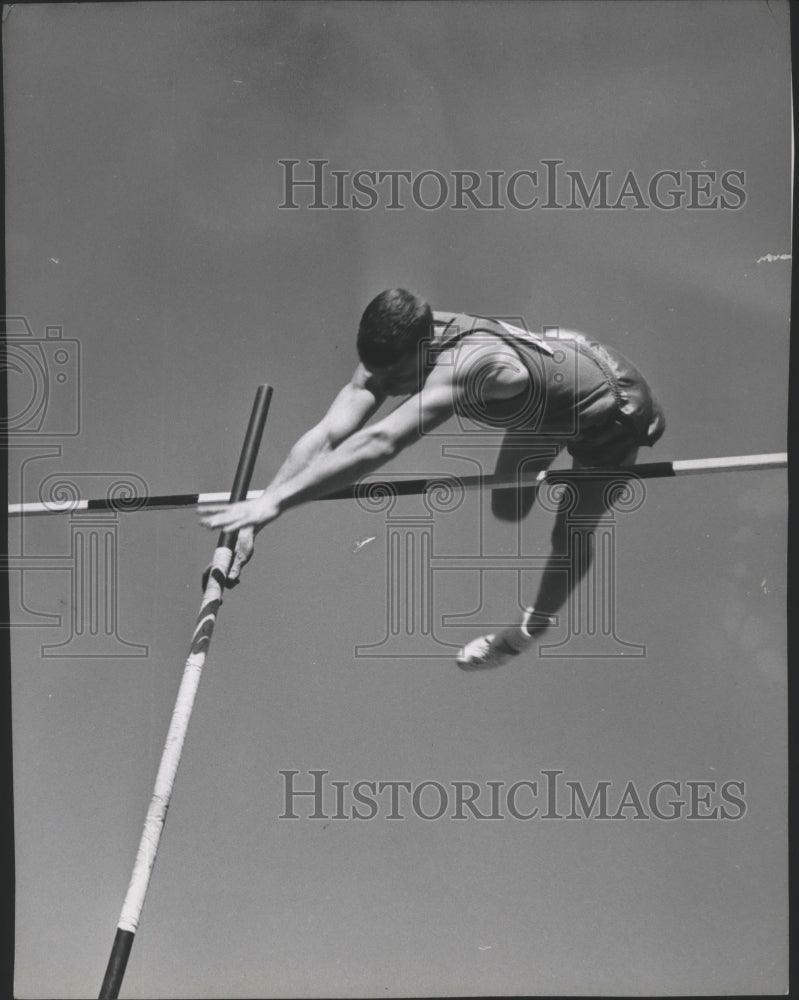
x,y
407,487
170,758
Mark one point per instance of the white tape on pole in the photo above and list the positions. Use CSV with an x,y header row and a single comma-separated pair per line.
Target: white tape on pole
x,y
173,747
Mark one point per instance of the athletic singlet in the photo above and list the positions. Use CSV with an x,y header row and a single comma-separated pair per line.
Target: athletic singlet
x,y
577,388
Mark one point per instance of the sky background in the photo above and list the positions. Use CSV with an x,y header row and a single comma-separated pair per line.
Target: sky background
x,y
143,185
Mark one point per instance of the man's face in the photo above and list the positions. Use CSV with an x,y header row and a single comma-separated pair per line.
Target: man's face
x,y
399,379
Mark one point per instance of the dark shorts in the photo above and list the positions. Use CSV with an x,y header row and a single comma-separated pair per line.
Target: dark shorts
x,y
583,396
620,413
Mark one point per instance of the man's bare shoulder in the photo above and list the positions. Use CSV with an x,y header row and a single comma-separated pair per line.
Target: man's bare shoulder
x,y
485,360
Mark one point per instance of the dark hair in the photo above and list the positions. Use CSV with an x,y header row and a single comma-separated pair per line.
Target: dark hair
x,y
392,325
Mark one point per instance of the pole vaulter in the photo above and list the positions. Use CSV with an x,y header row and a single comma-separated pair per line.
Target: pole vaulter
x,y
173,748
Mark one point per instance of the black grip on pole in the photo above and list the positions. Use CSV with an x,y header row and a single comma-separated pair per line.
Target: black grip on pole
x,y
123,942
249,453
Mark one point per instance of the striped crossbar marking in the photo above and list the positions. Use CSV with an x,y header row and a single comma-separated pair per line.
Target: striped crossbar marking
x,y
651,470
409,487
169,501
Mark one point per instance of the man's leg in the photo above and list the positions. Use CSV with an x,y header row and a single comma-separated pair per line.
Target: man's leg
x,y
523,455
577,517
575,523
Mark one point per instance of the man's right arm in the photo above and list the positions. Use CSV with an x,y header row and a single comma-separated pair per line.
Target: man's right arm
x,y
348,412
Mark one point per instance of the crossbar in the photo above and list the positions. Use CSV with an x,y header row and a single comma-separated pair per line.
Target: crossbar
x,y
411,486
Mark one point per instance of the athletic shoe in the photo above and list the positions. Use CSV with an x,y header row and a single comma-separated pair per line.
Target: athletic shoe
x,y
493,650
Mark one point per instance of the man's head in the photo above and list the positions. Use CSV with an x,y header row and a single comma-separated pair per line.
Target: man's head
x,y
392,327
